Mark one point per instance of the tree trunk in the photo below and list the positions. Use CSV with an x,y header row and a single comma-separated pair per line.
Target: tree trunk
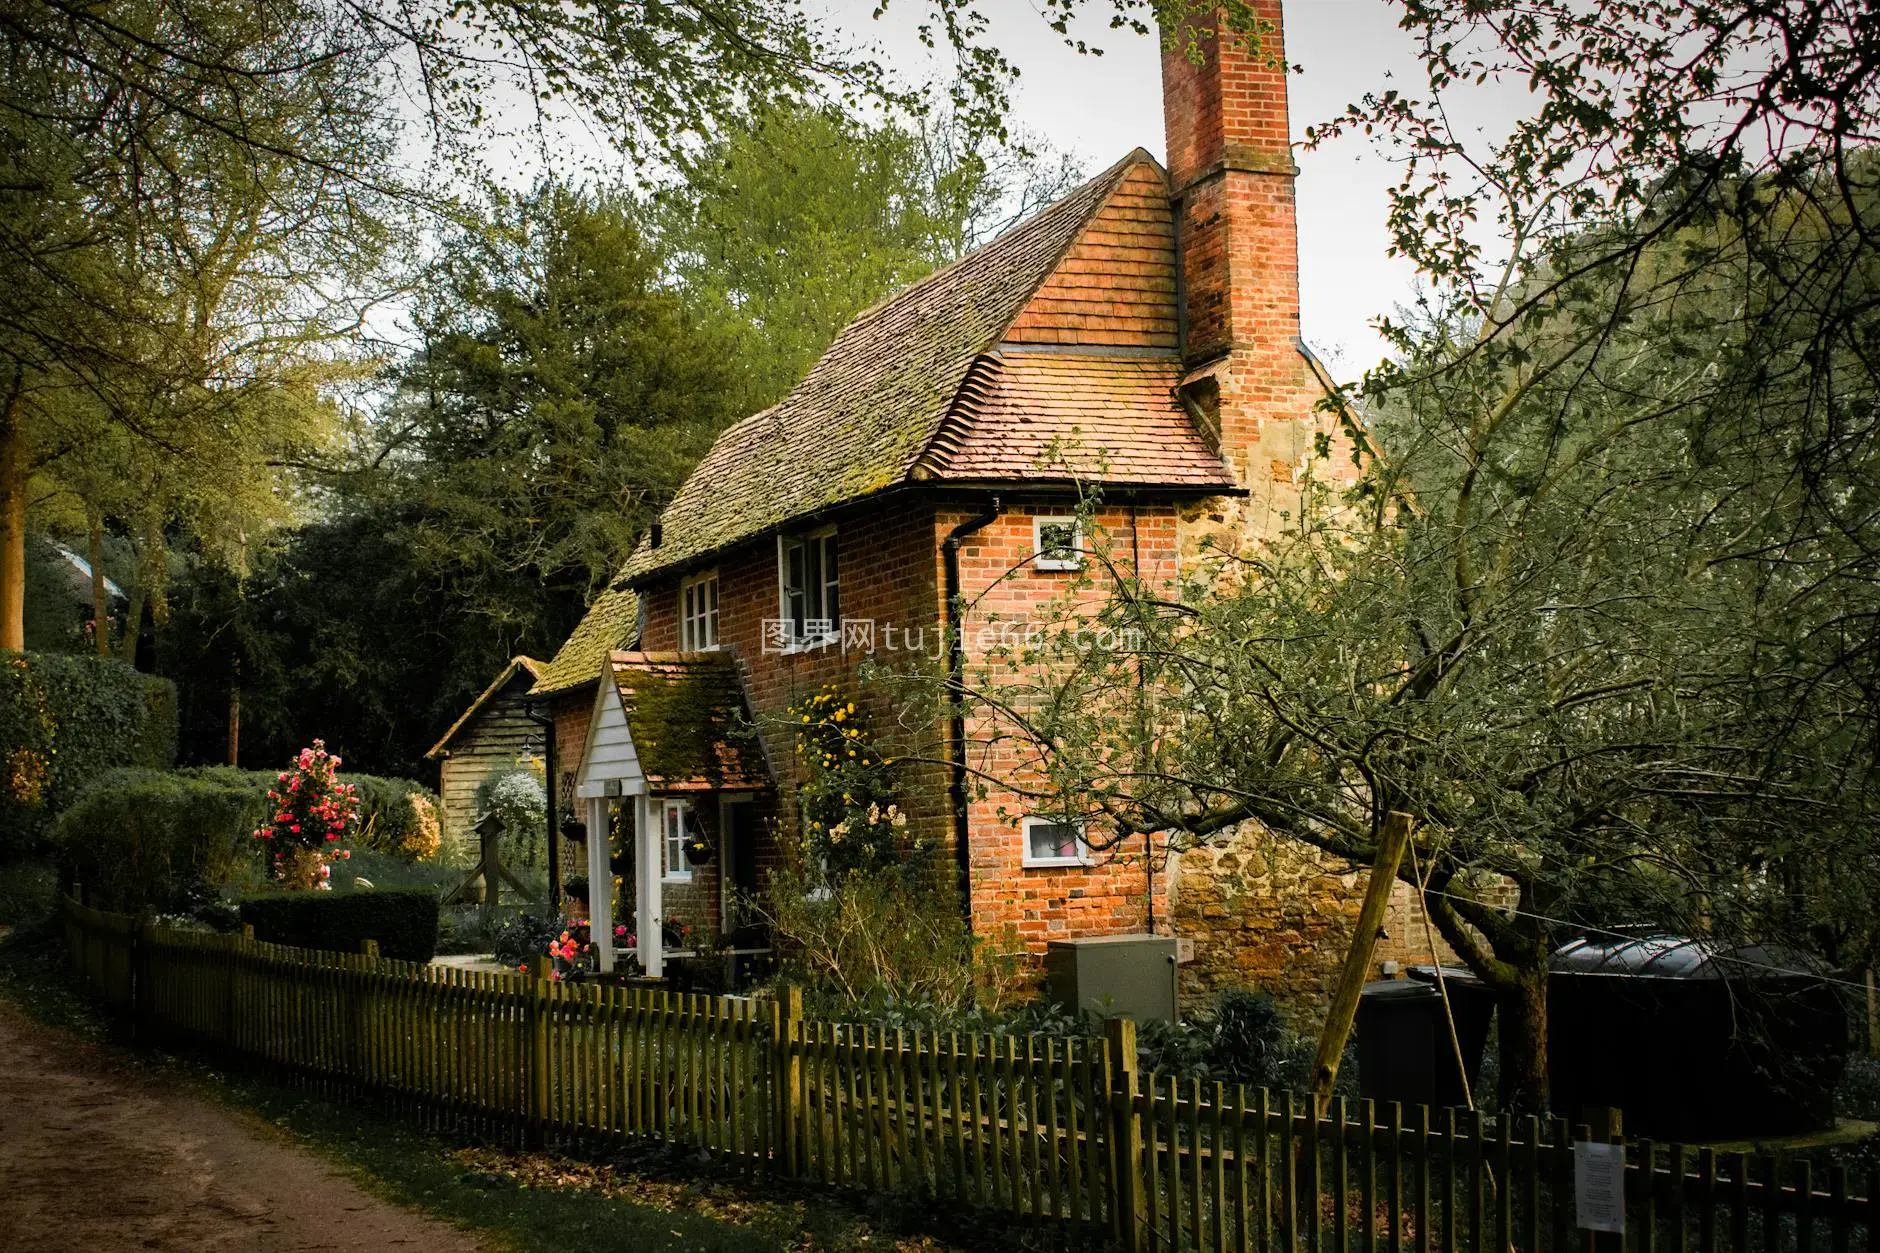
x,y
100,604
235,726
1522,1003
13,523
133,624
148,593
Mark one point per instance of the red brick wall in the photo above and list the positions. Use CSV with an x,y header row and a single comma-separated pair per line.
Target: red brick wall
x,y
1112,895
572,711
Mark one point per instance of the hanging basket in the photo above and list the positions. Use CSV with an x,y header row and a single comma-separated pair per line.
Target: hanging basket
x,y
574,831
697,852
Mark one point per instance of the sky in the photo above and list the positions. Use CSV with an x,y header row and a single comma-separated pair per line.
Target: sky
x,y
1101,107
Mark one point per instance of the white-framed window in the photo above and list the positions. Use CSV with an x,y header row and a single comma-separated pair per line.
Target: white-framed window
x,y
1055,842
1057,543
675,823
698,613
810,601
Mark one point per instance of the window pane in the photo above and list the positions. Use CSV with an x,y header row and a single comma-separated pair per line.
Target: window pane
x,y
832,600
812,580
1057,541
793,587
1053,841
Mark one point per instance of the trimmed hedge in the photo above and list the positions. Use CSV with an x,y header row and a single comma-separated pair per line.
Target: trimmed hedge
x,y
66,720
403,921
163,840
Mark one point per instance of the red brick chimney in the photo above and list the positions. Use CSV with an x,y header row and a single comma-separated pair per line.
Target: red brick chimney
x,y
1231,181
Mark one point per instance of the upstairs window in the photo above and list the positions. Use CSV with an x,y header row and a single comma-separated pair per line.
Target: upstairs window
x,y
1057,543
811,602
698,613
1054,842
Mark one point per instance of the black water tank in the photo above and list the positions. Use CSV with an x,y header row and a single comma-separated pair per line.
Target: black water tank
x,y
1694,1040
1404,1050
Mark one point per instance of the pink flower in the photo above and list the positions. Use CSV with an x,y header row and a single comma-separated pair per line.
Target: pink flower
x,y
295,828
620,930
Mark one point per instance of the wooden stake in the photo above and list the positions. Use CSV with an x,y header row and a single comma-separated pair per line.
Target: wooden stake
x,y
1390,846
1873,1018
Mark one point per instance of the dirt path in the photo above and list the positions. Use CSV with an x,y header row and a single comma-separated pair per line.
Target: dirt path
x,y
96,1157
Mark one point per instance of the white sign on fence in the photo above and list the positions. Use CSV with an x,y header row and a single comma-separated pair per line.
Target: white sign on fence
x,y
1599,1186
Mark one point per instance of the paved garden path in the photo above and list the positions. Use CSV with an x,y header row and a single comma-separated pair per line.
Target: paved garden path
x,y
97,1157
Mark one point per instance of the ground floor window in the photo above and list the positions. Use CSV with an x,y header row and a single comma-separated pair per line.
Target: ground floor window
x,y
1055,842
676,825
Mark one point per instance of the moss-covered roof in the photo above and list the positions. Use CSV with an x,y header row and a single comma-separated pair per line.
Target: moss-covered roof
x,y
609,624
872,406
690,727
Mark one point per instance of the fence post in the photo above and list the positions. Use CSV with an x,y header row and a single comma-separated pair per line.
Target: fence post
x,y
1126,1199
536,1014
1608,1127
366,1026
142,991
786,1031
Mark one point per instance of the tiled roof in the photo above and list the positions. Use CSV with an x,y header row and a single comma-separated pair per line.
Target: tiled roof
x,y
534,669
608,624
687,716
1073,415
871,407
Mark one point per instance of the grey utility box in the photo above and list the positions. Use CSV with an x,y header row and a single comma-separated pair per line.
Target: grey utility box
x,y
1114,974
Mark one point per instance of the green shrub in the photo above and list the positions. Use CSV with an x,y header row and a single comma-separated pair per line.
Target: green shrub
x,y
383,871
66,720
396,817
29,894
892,938
164,841
520,939
403,920
518,799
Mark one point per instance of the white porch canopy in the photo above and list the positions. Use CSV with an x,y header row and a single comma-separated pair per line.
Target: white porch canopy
x,y
610,776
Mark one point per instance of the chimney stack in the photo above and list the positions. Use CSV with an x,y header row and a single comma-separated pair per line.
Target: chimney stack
x,y
1231,182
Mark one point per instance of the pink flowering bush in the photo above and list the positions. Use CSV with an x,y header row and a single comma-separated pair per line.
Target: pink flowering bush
x,y
313,813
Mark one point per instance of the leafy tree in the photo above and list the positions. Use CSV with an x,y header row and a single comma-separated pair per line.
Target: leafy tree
x,y
179,252
783,232
563,391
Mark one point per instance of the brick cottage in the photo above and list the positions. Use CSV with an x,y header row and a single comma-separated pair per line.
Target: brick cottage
x,y
1141,335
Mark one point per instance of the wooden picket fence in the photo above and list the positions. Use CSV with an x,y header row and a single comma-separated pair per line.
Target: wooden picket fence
x,y
1063,1134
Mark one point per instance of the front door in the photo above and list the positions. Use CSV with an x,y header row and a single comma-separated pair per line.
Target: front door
x,y
741,923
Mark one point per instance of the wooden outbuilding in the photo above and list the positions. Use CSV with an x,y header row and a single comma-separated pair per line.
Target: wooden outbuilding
x,y
489,737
